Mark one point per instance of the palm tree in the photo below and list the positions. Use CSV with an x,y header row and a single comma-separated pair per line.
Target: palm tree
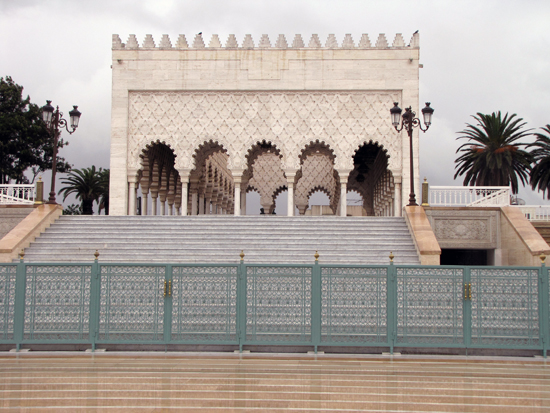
x,y
85,184
492,156
540,175
104,195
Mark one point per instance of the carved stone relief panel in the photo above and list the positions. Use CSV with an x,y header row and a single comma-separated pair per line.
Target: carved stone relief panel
x,y
238,119
465,229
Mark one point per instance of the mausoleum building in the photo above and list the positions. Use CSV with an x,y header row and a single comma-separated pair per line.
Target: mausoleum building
x,y
195,127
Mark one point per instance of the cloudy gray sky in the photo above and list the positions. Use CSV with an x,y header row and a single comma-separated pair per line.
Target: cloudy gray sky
x,y
478,56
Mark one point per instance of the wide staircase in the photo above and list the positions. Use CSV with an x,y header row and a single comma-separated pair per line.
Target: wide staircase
x,y
220,239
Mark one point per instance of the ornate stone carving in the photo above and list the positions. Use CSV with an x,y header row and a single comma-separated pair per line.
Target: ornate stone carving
x,y
267,177
317,174
236,120
465,229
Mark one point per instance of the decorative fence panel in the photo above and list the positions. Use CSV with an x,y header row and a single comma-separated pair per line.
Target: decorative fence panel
x,y
132,304
505,307
354,305
204,304
430,307
278,304
383,306
7,301
57,303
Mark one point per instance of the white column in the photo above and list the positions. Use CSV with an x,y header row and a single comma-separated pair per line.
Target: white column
x,y
243,201
184,178
184,198
237,198
237,179
154,204
290,175
162,207
194,203
397,197
201,204
144,199
132,198
343,198
343,173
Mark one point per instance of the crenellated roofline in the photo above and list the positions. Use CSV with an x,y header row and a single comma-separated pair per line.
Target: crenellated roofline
x,y
264,42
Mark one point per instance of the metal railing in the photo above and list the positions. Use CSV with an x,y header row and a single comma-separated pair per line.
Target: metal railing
x,y
17,194
469,196
321,306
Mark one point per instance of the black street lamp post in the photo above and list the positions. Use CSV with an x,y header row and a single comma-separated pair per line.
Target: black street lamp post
x,y
409,122
54,120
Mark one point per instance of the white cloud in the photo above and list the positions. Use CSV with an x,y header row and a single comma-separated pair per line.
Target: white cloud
x,y
478,56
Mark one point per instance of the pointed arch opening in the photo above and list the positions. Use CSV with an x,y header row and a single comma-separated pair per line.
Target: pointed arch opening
x,y
158,181
316,173
265,174
372,180
211,183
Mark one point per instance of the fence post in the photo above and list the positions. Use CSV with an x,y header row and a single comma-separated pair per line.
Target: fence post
x,y
391,310
544,303
241,303
316,303
19,309
167,321
465,294
95,292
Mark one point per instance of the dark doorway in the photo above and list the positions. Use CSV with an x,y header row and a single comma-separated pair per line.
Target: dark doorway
x,y
464,257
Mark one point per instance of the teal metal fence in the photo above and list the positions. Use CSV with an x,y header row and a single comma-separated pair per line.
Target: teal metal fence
x,y
321,306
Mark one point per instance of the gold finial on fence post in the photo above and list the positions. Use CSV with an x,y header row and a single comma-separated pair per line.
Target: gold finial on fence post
x,y
96,255
242,255
316,256
22,254
425,193
542,258
391,256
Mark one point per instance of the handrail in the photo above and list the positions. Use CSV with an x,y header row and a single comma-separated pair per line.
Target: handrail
x,y
535,212
17,194
469,196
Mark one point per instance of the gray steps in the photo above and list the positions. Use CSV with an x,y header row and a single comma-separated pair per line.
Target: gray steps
x,y
220,239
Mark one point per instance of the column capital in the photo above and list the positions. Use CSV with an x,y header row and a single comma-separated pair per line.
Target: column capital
x,y
290,174
184,173
343,174
237,175
132,174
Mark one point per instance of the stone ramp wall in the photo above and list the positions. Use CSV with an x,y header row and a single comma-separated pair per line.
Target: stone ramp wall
x,y
10,216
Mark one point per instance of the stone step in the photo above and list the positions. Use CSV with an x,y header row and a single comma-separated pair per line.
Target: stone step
x,y
220,239
193,235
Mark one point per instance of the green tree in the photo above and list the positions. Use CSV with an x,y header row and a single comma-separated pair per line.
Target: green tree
x,y
540,174
85,183
104,175
24,139
493,156
73,209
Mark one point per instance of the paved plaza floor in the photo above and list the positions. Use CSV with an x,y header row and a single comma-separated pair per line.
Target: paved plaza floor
x,y
227,382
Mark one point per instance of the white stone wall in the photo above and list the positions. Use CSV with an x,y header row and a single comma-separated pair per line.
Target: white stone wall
x,y
283,92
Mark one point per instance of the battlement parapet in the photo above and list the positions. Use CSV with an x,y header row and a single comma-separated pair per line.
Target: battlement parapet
x,y
265,43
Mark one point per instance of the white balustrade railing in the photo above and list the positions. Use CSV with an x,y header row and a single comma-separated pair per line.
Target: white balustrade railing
x,y
536,212
485,196
17,194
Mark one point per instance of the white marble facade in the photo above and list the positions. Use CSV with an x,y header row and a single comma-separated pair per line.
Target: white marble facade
x,y
195,127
